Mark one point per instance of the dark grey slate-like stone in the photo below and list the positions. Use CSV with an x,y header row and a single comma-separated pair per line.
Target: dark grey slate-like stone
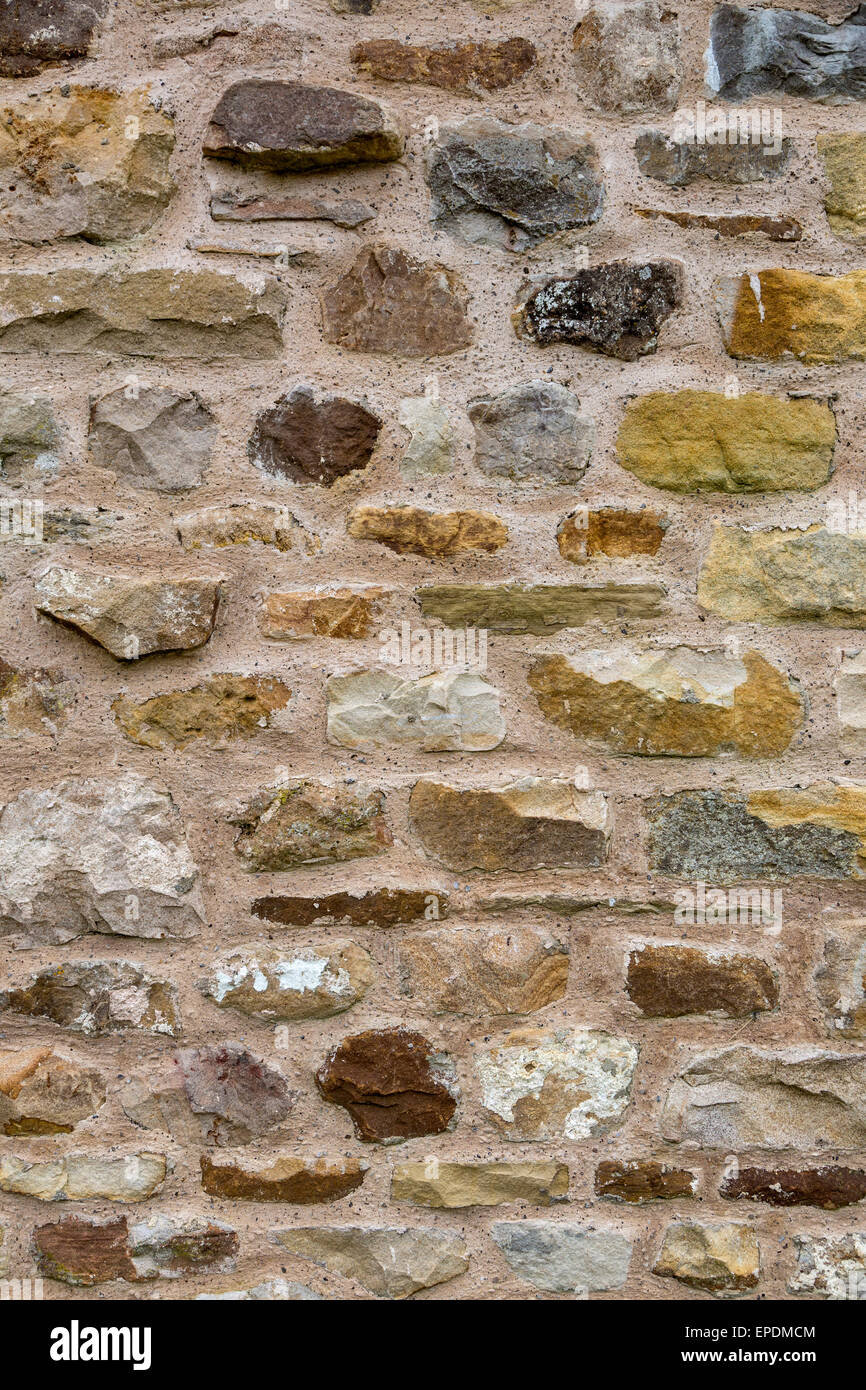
x,y
761,49
533,431
679,163
36,32
617,309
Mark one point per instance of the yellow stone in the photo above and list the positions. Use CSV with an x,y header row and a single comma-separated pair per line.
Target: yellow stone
x,y
844,159
776,314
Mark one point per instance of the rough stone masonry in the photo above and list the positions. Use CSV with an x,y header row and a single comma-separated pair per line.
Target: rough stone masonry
x,y
433,665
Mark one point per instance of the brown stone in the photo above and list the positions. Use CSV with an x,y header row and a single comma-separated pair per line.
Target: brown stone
x,y
96,998
682,162
381,907
438,535
226,207
730,225
483,970
538,607
132,615
84,1252
828,1187
310,441
36,32
221,709
42,1092
31,701
669,981
613,531
458,67
617,309
642,1180
387,302
308,822
342,613
300,1180
393,1084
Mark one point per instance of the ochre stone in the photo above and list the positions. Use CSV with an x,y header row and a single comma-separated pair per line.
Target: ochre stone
x,y
343,613
42,1092
223,708
483,970
97,998
393,1084
244,523
412,531
300,1180
669,981
32,701
640,1180
387,302
779,576
844,158
308,822
785,315
718,1258
436,1183
458,67
613,531
538,607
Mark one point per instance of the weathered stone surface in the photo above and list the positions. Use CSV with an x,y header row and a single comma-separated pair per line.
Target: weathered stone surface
x,y
830,1266
381,907
729,225
89,855
97,998
391,1261
745,1097
719,1258
850,687
483,970
679,701
538,608
310,441
669,981
84,1177
348,212
784,315
778,576
152,438
29,438
222,708
530,824
309,822
532,433
439,1184
36,32
433,445
458,67
84,162
343,613
844,160
612,531
87,1251
763,49
222,1095
436,535
300,1180
641,1180
564,1258
704,441
271,1290
244,523
840,979
132,615
387,302
393,1083
293,983
680,163
292,126
818,830
627,57
503,185
829,1188
455,711
568,1084
42,1092
32,701
141,313
617,309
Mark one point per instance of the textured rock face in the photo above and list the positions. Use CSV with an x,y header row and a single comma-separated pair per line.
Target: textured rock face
x,y
669,981
449,1185
270,1291
382,907
680,163
347,212
509,186
612,531
393,1262
36,32
736,225
437,535
627,57
682,701
475,68
571,1084
642,1180
29,438
564,1258
432,447
42,1092
743,1097
527,825
538,607
617,309
294,983
782,576
850,688
84,162
142,313
97,998
343,613
828,1188
309,441
291,126
132,615
452,712
96,856
388,302
298,1180
222,709
32,702
85,1252
310,823
785,315
840,980
844,160
152,438
763,49
84,1177
243,523
393,1083
702,441
483,970
719,1258
830,1266
532,433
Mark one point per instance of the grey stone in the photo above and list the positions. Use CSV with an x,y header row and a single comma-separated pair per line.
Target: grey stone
x,y
627,57
433,445
152,438
392,1262
532,432
617,309
29,438
564,1259
451,711
680,162
763,49
132,615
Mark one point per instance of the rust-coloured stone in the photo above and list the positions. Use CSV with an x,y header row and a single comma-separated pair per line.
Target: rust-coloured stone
x,y
733,224
345,613
388,302
828,1187
413,531
669,981
613,531
392,1082
642,1180
459,67
83,1252
310,441
284,1180
35,32
382,907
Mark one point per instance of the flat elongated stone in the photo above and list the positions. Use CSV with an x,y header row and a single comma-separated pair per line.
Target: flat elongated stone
x,y
680,701
564,1258
381,907
292,126
387,302
393,1262
309,822
682,162
437,535
840,979
393,1083
627,57
89,855
36,32
617,309
829,1188
433,446
719,1258
764,49
152,438
793,315
532,433
844,160
32,701
538,607
449,1185
84,1252
343,613
670,981
29,438
300,1180
830,1266
348,212
458,67
97,998
641,1180
612,531
221,709
704,441
729,225
310,441
293,983
818,831
530,824
84,1177
141,313
504,185
244,523
42,1092
568,1084
450,712
483,970
132,615
777,576
748,1098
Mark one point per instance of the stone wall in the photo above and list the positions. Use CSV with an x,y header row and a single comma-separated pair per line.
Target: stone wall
x,y
432,694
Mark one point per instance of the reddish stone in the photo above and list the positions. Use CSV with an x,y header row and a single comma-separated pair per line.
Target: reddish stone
x,y
642,1180
392,1082
382,907
830,1188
